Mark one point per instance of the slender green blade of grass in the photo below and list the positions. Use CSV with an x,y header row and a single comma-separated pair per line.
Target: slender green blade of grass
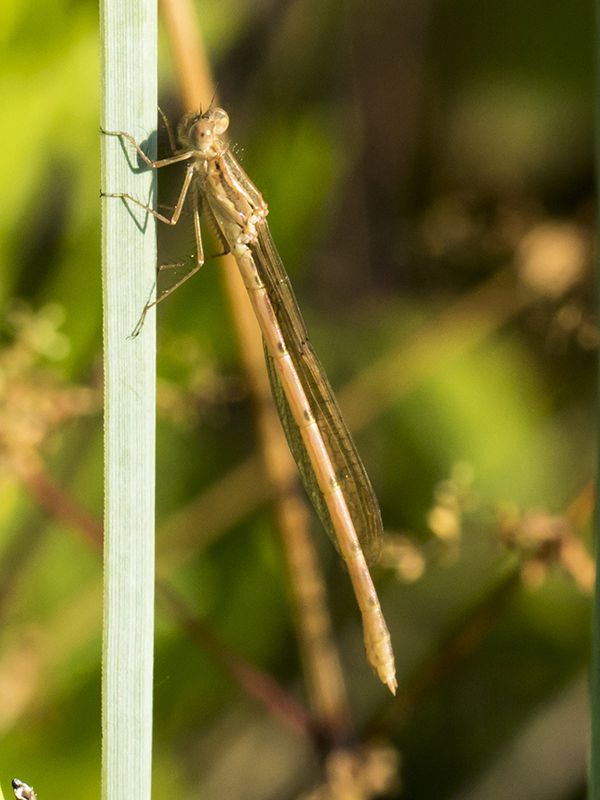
x,y
129,262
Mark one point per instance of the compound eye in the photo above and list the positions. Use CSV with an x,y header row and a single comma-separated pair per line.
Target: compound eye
x,y
220,120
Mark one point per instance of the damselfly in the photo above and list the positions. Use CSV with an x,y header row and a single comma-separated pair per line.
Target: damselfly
x,y
330,467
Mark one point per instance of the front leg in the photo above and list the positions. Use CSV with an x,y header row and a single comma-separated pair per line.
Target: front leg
x,y
163,162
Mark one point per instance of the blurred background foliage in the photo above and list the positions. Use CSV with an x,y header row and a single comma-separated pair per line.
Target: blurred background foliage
x,y
428,168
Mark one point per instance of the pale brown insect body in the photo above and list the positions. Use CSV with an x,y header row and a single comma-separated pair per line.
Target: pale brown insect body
x,y
328,461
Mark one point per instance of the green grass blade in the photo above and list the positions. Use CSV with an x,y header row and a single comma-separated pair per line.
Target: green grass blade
x,y
129,264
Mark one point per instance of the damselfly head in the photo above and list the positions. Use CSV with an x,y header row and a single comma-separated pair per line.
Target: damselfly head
x,y
201,131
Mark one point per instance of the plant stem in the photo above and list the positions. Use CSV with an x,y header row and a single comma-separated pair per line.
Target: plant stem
x,y
129,272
